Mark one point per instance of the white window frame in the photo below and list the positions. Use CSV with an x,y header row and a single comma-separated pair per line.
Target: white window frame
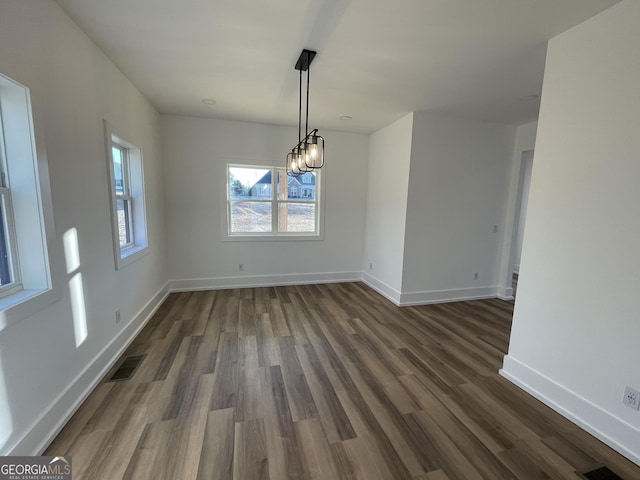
x,y
134,196
28,210
275,202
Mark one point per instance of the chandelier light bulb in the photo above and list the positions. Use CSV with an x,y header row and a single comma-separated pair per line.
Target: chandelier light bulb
x,y
295,162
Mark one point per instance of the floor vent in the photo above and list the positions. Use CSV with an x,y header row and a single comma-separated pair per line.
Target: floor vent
x,y
127,369
599,473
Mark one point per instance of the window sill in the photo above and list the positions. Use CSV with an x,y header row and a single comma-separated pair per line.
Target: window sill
x,y
25,303
273,238
131,255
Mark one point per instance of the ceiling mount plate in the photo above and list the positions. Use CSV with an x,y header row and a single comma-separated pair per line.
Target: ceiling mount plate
x,y
305,59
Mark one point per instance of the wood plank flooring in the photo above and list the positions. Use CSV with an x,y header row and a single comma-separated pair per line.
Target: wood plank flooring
x,y
323,382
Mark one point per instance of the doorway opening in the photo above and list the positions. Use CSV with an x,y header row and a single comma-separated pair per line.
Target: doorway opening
x,y
522,203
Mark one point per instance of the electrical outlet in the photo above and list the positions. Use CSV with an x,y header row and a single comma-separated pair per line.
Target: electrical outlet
x,y
476,275
371,266
118,317
631,398
495,229
241,267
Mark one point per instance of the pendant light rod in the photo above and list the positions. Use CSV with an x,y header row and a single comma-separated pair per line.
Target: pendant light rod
x,y
306,125
300,110
308,154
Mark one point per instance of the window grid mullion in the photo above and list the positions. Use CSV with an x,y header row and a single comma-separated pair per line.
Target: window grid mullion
x,y
275,214
125,171
4,175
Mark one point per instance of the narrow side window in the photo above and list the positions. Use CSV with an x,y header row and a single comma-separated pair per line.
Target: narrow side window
x,y
126,185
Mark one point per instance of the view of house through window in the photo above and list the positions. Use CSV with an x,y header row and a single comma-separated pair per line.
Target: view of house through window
x,y
265,201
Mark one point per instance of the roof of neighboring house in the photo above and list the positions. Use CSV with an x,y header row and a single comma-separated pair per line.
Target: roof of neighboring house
x,y
293,182
301,181
266,180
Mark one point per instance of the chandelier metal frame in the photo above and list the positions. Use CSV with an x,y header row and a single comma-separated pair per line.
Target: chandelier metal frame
x,y
308,154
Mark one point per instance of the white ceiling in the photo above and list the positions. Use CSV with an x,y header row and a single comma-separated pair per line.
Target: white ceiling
x,y
377,59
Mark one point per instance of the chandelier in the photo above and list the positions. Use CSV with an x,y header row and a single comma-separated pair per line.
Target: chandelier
x,y
308,154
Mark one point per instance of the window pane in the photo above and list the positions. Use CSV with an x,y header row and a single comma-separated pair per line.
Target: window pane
x,y
123,210
5,261
254,183
302,188
308,178
118,170
297,217
249,217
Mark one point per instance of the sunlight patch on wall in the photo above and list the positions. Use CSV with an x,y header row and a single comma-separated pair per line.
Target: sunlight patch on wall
x,y
76,289
78,309
71,251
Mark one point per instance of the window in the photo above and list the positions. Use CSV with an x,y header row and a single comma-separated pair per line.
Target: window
x,y
120,157
27,233
127,199
265,202
9,271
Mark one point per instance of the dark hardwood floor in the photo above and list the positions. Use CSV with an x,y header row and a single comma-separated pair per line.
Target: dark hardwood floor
x,y
323,382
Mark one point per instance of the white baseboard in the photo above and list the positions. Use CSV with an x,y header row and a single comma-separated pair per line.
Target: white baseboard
x,y
445,296
49,424
618,434
382,288
505,293
428,297
219,283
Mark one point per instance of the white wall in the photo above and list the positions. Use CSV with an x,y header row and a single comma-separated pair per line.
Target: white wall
x,y
74,87
457,188
388,183
421,207
196,152
576,330
525,140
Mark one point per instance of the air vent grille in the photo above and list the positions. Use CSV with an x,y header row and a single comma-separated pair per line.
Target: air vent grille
x,y
127,369
599,473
